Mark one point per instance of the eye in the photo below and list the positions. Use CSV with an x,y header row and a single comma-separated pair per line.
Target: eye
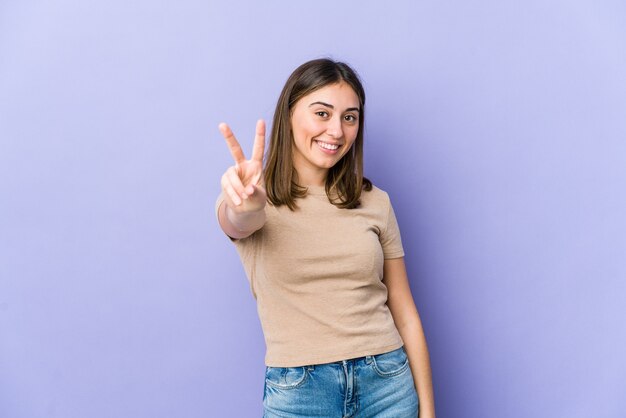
x,y
350,118
322,114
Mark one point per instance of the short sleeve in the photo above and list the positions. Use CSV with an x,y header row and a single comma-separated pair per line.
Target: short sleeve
x,y
390,238
246,247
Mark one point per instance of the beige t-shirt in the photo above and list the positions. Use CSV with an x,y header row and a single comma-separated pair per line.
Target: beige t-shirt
x,y
316,274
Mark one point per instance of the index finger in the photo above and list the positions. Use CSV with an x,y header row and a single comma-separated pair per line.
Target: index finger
x,y
259,141
233,145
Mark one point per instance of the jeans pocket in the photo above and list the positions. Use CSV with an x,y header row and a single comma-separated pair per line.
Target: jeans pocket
x,y
390,364
285,377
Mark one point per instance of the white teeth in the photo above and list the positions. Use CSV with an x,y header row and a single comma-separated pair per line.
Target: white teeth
x,y
327,146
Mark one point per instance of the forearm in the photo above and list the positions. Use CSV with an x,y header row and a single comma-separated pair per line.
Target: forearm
x,y
415,345
239,225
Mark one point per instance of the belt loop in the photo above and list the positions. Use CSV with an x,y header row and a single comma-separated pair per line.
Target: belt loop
x,y
310,367
368,359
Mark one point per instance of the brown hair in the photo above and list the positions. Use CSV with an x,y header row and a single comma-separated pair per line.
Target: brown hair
x,y
346,177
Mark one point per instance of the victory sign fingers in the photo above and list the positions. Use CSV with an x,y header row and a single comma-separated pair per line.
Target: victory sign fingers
x,y
241,181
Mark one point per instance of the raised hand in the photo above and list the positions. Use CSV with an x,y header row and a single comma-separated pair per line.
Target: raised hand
x,y
242,183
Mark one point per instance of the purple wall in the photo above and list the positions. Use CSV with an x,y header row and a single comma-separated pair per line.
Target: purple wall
x,y
498,128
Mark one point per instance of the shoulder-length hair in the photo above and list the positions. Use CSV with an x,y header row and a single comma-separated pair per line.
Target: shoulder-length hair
x,y
345,180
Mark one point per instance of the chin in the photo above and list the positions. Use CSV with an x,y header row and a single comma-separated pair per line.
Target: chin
x,y
327,164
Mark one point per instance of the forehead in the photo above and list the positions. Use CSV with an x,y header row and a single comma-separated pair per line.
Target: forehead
x,y
340,95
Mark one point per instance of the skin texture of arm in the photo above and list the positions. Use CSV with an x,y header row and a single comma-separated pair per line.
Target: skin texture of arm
x,y
407,320
239,225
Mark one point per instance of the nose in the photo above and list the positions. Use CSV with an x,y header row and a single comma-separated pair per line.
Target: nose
x,y
335,128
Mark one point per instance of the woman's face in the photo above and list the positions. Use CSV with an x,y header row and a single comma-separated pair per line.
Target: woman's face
x,y
325,124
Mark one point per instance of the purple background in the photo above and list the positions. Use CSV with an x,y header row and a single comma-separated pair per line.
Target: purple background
x,y
497,127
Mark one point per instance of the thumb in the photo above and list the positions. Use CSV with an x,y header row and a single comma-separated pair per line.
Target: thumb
x,y
254,189
257,178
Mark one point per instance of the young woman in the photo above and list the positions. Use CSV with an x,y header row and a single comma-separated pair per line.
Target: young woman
x,y
322,251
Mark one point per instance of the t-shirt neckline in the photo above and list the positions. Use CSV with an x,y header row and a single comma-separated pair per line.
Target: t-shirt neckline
x,y
316,190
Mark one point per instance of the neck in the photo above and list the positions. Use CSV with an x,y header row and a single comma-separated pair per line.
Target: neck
x,y
310,176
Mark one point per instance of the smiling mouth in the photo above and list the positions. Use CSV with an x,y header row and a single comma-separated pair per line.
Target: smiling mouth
x,y
327,146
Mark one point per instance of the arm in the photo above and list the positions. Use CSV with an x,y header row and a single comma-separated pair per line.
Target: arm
x,y
239,225
407,320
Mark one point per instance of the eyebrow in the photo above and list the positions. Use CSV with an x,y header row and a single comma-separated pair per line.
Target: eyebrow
x,y
332,107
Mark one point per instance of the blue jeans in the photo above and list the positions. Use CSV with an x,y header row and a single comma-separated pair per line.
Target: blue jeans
x,y
378,386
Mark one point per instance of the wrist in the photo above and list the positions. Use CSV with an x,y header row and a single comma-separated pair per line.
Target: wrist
x,y
245,221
